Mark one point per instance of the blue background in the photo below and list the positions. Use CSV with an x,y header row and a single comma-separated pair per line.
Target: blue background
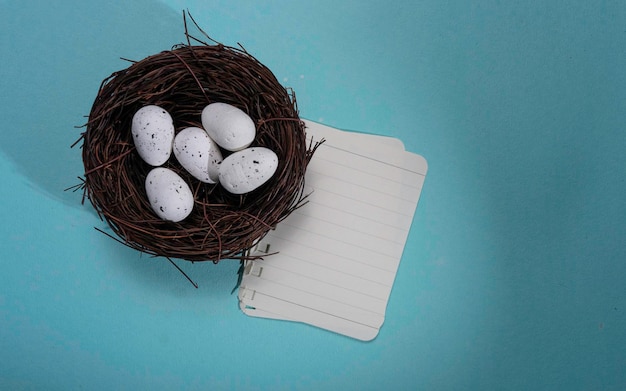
x,y
513,277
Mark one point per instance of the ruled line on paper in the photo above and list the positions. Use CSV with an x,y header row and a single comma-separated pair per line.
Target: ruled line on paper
x,y
379,237
349,281
331,261
370,158
369,197
359,162
339,293
386,184
276,308
357,223
356,207
332,232
312,302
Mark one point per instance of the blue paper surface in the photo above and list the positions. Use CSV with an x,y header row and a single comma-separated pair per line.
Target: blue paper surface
x,y
513,274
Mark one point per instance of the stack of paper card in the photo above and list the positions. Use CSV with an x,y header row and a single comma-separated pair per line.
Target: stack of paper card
x,y
338,255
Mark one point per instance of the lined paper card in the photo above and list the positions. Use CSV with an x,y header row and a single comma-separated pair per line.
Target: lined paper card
x,y
338,255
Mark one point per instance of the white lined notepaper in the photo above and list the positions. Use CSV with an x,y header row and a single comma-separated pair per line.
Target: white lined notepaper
x,y
339,254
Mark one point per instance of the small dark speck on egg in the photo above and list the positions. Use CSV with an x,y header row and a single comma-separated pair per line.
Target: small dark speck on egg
x,y
255,161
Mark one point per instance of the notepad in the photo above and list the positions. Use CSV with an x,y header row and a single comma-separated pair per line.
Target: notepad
x,y
335,259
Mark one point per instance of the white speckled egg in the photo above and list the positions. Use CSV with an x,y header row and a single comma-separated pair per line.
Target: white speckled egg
x,y
198,154
246,170
230,127
153,134
169,195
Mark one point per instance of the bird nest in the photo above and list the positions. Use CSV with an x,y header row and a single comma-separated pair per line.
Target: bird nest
x,y
183,81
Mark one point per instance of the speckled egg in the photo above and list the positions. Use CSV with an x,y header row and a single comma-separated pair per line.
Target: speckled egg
x,y
230,127
246,170
198,154
153,134
169,196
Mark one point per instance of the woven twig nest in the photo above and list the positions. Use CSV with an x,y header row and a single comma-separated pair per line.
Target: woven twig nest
x,y
183,81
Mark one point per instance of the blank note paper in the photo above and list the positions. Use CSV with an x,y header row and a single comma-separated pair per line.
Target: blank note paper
x,y
338,255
